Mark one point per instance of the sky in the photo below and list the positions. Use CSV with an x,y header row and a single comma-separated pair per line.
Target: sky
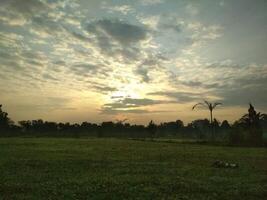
x,y
93,60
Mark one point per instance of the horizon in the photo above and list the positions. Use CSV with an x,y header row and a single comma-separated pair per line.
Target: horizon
x,y
126,120
95,61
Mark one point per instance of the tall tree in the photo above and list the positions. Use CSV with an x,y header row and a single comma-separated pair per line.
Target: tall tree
x,y
152,128
5,122
210,106
252,122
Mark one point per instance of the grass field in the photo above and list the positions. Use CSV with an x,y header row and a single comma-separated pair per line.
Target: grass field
x,y
49,168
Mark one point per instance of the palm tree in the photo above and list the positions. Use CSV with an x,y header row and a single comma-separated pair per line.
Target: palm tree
x,y
252,122
211,107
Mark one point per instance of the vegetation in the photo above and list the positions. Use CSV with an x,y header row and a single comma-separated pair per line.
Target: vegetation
x,y
102,168
5,122
174,164
248,130
211,107
152,128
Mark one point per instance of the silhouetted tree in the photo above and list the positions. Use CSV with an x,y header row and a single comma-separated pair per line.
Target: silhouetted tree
x,y
120,129
152,128
170,128
252,122
224,129
225,125
215,125
106,129
5,121
247,130
211,107
200,127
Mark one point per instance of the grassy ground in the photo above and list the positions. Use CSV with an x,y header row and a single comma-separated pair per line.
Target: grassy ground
x,y
44,168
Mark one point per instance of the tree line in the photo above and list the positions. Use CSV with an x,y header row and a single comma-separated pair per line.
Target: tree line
x,y
248,130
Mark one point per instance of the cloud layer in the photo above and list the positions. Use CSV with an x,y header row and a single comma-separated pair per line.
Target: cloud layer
x,y
113,58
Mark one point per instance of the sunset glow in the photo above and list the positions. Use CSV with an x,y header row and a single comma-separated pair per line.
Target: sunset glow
x,y
95,60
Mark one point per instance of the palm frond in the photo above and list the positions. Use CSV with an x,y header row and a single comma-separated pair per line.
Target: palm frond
x,y
263,116
216,104
208,104
197,105
245,116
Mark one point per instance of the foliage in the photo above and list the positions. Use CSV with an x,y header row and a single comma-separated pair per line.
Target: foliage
x,y
152,128
5,122
211,107
248,128
239,133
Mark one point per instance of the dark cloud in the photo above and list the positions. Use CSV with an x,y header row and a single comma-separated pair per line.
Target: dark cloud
x,y
223,65
104,89
245,90
80,36
181,97
149,64
47,25
89,69
143,72
100,87
27,8
115,37
175,27
11,65
19,12
130,105
45,18
199,84
49,77
120,31
111,111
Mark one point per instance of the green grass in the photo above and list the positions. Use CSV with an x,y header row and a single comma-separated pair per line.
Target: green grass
x,y
49,168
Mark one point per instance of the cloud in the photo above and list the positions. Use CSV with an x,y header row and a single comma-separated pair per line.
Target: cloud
x,y
120,31
80,37
180,97
131,105
117,39
46,27
130,102
46,104
175,27
154,63
129,51
245,84
111,111
18,13
49,77
84,68
104,89
124,9
200,84
151,2
244,96
27,8
143,72
192,9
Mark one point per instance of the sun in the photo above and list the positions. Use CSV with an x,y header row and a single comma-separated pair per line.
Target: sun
x,y
125,93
